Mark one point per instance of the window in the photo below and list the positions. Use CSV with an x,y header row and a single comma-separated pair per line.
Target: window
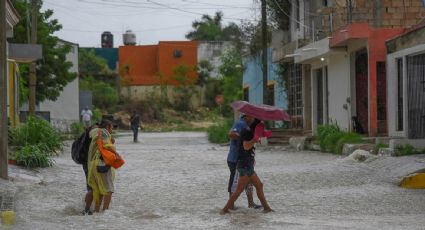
x,y
177,53
246,94
295,107
399,63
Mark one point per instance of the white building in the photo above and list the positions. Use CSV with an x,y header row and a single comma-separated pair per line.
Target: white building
x,y
65,110
212,51
406,87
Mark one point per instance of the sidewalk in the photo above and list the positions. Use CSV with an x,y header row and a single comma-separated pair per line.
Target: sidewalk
x,y
8,190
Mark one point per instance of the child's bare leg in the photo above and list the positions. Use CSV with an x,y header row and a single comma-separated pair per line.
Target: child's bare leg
x,y
243,181
107,201
98,203
88,200
249,190
260,193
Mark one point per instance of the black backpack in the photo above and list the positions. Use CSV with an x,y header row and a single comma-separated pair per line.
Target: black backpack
x,y
80,147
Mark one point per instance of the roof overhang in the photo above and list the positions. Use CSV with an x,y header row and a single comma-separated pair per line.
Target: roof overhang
x,y
12,18
25,53
352,31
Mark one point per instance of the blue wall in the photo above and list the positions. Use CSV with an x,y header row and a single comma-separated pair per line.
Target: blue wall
x,y
109,54
253,77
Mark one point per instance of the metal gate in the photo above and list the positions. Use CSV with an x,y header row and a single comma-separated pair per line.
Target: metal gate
x,y
416,96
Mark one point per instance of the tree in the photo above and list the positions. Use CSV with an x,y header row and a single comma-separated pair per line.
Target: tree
x,y
53,70
207,29
232,73
104,95
211,29
94,72
185,88
279,12
252,34
91,65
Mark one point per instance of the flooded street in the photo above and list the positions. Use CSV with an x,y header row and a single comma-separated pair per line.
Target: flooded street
x,y
178,180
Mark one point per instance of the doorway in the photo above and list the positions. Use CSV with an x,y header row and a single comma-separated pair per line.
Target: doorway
x,y
416,96
361,120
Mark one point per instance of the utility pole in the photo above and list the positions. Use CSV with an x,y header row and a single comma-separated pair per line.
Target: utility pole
x,y
3,93
264,46
33,72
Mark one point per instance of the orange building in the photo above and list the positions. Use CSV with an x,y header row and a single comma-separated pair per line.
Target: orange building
x,y
150,65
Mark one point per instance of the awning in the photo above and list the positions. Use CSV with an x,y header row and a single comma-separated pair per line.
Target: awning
x,y
25,53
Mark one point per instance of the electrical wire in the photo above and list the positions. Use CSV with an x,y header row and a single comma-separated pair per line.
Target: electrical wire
x,y
178,9
136,31
210,4
289,16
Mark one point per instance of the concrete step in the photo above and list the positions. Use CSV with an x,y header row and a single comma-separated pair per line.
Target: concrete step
x,y
278,142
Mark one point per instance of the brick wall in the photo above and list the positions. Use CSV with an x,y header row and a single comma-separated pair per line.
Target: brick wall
x,y
378,13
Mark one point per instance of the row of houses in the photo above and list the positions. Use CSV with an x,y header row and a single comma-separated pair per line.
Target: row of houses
x,y
360,66
143,68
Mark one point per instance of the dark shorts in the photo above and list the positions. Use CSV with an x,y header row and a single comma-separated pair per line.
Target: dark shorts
x,y
86,172
246,171
246,167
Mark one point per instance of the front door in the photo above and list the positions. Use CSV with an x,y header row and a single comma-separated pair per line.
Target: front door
x,y
361,121
416,96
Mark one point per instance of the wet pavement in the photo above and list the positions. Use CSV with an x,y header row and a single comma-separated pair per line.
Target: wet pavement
x,y
178,180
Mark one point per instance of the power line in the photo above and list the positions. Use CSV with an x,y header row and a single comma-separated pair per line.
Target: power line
x,y
210,4
132,4
190,12
161,7
289,16
144,30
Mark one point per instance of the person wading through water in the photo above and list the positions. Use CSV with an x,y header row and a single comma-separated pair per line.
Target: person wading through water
x,y
245,166
232,158
100,176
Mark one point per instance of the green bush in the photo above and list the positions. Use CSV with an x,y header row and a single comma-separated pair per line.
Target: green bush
x,y
37,131
405,150
76,129
347,138
33,156
219,133
332,139
104,94
97,115
325,135
379,146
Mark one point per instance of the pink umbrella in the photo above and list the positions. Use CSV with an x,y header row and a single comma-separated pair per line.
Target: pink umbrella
x,y
262,112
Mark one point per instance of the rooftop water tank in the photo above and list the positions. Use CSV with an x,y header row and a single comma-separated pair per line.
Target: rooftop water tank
x,y
129,38
107,40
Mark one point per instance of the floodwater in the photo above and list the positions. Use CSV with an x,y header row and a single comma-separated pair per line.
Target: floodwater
x,y
178,180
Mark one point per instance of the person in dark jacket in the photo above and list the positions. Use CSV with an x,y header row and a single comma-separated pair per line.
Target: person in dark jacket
x,y
135,124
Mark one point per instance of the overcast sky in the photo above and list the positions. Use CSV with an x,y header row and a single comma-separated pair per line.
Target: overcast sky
x,y
152,20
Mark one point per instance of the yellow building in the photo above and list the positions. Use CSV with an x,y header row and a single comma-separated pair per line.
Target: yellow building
x,y
12,92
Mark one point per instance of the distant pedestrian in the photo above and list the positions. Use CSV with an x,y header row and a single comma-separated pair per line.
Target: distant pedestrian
x,y
245,166
86,115
135,124
232,158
